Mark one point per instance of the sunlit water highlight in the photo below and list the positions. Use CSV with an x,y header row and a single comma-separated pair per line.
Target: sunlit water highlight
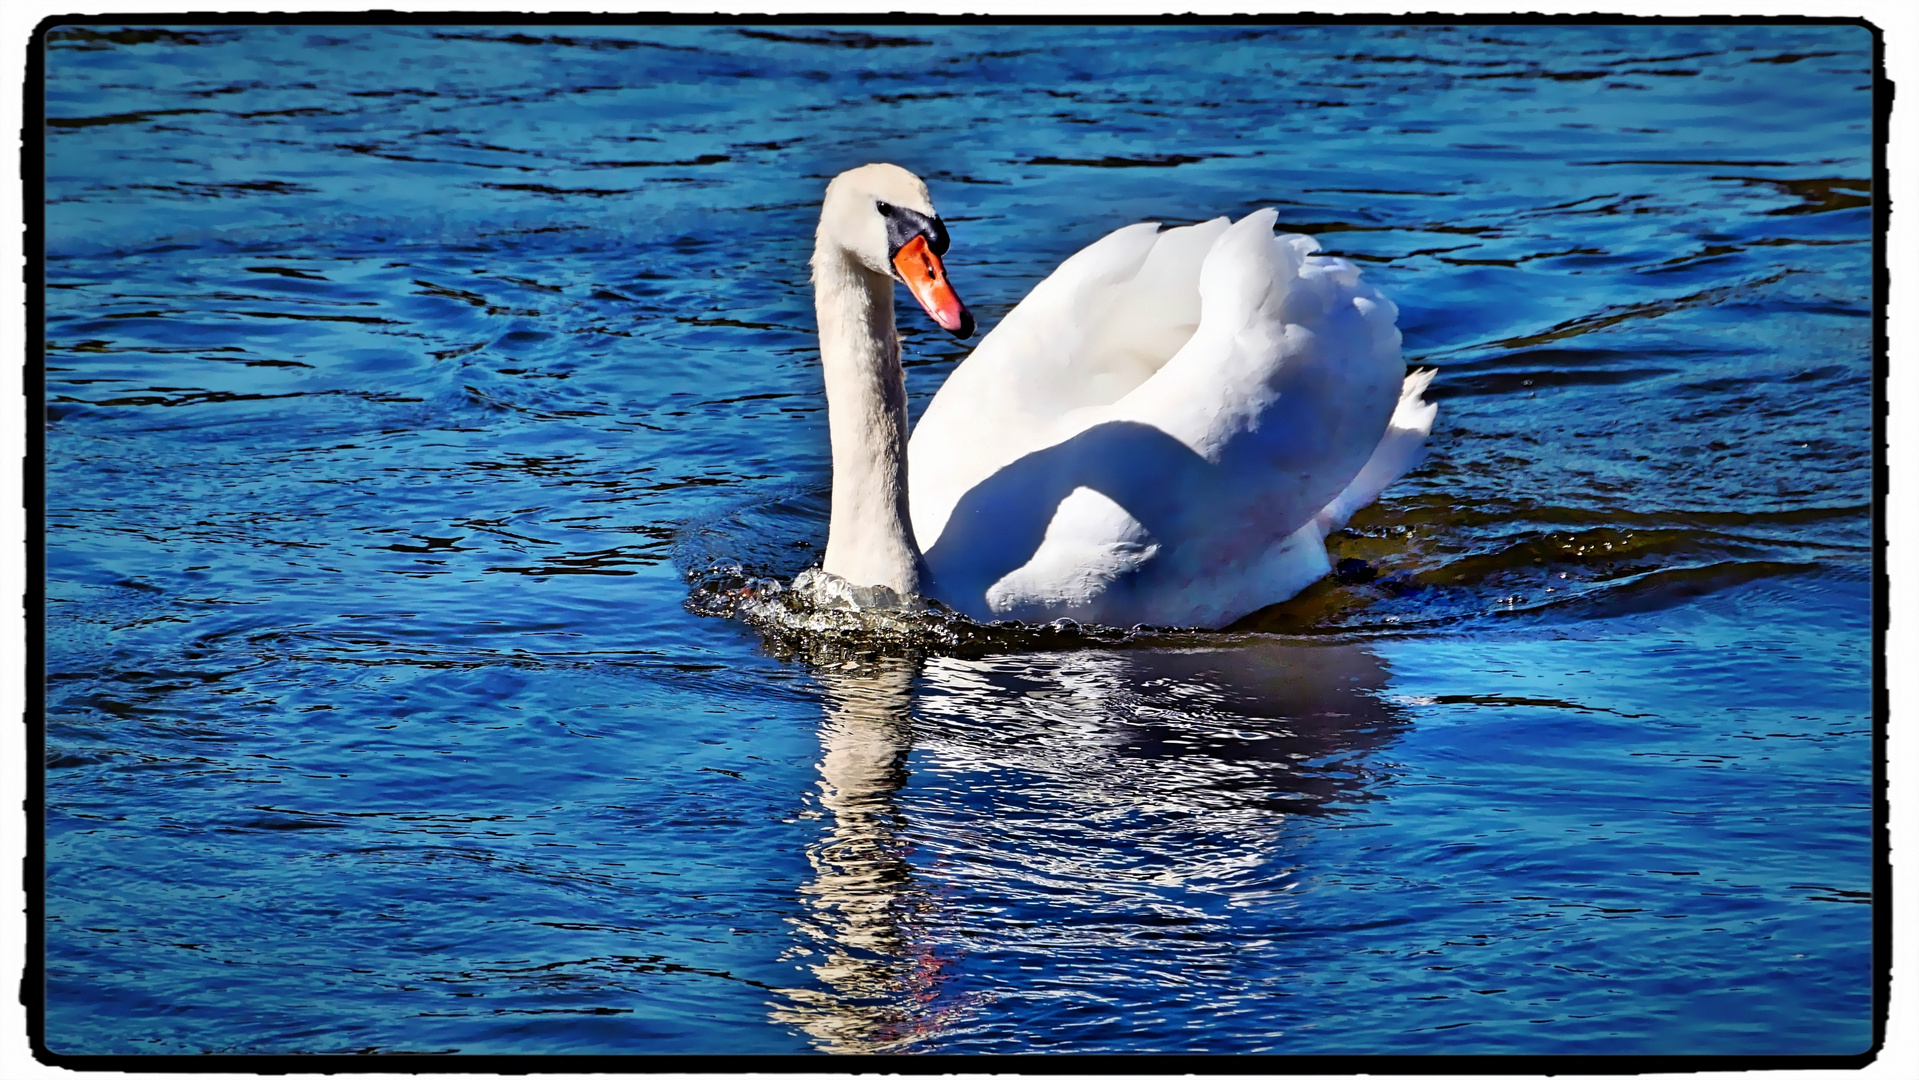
x,y
416,394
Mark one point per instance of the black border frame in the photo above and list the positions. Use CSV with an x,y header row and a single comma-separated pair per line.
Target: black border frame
x,y
33,494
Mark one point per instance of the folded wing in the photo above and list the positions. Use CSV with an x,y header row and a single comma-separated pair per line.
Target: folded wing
x,y
1152,433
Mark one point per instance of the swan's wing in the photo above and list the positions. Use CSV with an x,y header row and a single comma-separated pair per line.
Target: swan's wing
x,y
1189,499
1285,389
1091,332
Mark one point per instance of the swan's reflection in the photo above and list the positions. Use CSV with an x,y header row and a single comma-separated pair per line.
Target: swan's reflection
x,y
858,901
1068,801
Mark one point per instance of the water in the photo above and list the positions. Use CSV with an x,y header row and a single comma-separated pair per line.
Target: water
x,y
407,384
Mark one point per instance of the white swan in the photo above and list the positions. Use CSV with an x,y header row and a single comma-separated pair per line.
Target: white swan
x,y
1164,431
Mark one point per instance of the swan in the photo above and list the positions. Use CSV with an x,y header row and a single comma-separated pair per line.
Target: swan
x,y
1164,431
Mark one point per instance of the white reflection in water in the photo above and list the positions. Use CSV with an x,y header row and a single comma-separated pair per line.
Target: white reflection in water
x,y
859,895
1072,804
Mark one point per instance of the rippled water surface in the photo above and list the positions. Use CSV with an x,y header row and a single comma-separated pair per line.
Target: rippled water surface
x,y
404,383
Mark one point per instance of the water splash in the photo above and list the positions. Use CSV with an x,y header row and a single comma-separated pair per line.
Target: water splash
x,y
824,618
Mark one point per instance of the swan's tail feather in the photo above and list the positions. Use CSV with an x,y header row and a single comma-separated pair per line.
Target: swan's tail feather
x,y
1401,449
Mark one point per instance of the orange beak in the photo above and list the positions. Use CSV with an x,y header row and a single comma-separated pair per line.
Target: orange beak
x,y
920,269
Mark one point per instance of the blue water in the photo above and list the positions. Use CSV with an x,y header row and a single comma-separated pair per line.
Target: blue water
x,y
405,386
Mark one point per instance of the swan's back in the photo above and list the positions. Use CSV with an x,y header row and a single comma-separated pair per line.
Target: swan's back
x,y
1138,437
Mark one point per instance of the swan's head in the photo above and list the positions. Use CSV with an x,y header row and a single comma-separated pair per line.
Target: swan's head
x,y
882,217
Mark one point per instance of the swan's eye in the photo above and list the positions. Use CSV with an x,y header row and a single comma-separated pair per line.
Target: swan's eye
x,y
884,208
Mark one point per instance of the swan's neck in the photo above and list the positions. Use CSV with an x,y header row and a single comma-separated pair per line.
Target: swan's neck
x,y
870,540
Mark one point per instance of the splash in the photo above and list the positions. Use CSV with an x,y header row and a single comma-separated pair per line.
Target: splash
x,y
824,617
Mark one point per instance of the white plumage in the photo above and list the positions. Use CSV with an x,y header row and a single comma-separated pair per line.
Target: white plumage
x,y
1164,431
